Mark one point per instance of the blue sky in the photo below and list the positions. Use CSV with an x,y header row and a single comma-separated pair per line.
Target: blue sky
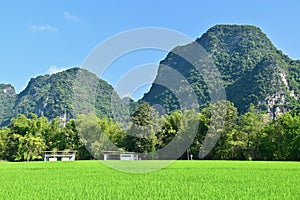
x,y
39,37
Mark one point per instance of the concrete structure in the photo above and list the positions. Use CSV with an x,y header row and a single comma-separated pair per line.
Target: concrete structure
x,y
67,155
117,155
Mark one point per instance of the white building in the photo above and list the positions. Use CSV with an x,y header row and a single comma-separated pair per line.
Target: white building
x,y
66,155
117,155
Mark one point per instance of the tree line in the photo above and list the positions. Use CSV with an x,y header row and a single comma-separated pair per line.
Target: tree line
x,y
251,136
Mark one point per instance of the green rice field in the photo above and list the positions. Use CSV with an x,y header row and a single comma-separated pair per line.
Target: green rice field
x,y
181,180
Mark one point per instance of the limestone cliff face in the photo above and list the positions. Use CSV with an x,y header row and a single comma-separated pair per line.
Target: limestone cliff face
x,y
278,101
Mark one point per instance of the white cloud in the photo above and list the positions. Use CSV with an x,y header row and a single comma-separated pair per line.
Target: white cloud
x,y
45,27
55,69
71,17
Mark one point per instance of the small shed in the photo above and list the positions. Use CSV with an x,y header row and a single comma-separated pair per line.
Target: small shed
x,y
66,155
118,155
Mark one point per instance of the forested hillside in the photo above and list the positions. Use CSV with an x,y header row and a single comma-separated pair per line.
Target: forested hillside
x,y
58,95
252,69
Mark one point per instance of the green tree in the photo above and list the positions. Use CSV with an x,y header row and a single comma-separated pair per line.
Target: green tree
x,y
217,121
52,135
142,135
284,137
26,138
252,124
4,132
112,131
227,141
170,128
188,131
201,133
93,132
70,136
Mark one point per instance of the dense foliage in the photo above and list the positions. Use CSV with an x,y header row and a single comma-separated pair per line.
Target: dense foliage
x,y
251,136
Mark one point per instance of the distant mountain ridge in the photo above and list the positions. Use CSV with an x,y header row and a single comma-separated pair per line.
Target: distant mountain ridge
x,y
252,69
58,95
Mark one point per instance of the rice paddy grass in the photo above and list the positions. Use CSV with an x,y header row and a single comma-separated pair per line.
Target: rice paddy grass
x,y
181,180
